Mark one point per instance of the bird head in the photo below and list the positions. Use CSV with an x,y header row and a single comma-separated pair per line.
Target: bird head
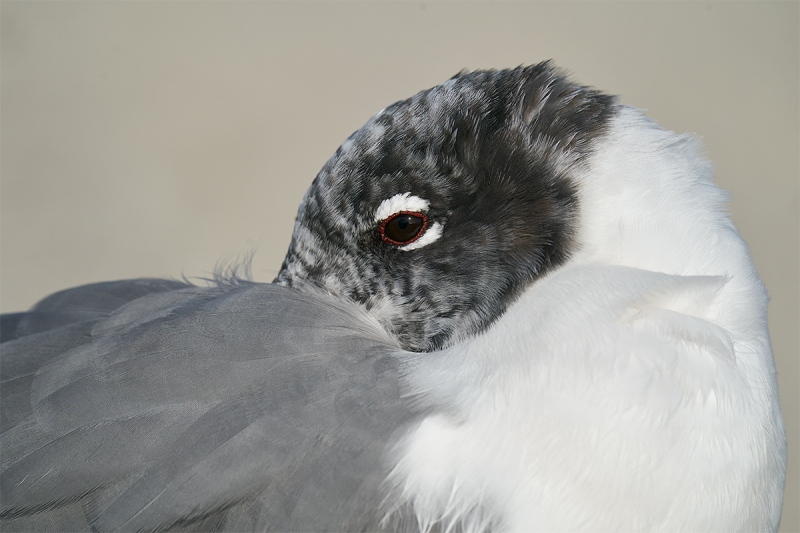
x,y
444,207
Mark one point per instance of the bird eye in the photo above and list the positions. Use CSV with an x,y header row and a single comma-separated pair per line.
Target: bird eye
x,y
403,227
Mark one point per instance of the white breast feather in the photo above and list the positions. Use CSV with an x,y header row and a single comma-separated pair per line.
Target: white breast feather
x,y
632,389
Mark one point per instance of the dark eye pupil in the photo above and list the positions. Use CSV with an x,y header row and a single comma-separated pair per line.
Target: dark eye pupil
x,y
402,228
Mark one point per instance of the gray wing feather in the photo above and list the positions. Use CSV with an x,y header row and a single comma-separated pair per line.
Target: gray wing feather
x,y
88,302
229,408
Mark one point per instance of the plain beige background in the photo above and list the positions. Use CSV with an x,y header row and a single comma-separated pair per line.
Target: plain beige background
x,y
158,138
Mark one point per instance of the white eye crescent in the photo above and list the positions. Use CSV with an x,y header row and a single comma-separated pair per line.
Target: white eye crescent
x,y
404,222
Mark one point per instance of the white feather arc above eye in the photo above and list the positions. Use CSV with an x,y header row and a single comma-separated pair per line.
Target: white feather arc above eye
x,y
400,202
409,203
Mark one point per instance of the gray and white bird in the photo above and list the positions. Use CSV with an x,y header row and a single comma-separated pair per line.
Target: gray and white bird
x,y
510,303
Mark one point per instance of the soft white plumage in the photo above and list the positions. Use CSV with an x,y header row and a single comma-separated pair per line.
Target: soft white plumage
x,y
632,389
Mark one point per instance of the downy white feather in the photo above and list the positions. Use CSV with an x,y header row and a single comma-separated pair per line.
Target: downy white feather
x,y
632,389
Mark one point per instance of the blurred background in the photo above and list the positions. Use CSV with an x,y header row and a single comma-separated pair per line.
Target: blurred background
x,y
162,138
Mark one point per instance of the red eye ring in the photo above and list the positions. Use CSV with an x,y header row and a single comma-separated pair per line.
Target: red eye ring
x,y
385,229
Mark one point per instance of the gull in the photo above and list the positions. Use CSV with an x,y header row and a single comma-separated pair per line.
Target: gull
x,y
510,303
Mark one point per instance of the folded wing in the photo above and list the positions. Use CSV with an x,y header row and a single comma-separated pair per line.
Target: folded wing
x,y
230,407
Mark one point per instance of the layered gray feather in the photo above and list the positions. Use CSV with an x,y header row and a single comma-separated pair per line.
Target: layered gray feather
x,y
229,408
